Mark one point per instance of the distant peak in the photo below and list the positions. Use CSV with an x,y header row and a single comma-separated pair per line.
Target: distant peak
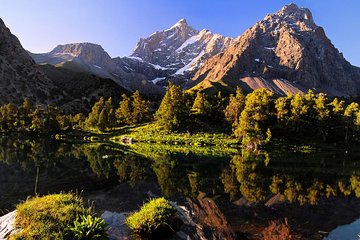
x,y
293,10
290,8
181,23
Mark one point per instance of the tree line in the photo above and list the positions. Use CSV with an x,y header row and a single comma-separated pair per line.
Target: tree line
x,y
253,118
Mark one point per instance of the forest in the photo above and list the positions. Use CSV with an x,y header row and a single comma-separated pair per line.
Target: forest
x,y
254,119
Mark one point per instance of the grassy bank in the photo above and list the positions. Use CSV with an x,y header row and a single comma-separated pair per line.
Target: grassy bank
x,y
152,133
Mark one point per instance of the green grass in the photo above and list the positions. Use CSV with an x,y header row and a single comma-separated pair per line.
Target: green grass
x,y
152,133
48,217
156,151
154,217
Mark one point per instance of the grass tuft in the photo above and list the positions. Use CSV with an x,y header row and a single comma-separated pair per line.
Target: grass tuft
x,y
156,217
48,217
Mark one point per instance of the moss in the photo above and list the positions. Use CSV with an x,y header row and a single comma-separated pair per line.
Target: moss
x,y
47,217
157,217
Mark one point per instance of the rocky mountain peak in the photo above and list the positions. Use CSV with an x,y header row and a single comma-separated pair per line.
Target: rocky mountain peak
x,y
88,52
181,24
291,15
288,49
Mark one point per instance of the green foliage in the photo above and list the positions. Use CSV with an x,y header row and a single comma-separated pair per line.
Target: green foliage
x,y
47,217
88,227
173,108
132,111
200,105
156,215
123,113
253,123
235,107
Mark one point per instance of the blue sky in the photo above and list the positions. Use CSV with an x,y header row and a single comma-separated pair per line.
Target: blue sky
x,y
118,24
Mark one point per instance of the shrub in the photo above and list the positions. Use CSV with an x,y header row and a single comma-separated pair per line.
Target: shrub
x,y
88,227
157,217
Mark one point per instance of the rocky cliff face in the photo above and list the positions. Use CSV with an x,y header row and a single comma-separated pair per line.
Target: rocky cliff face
x,y
287,52
73,91
180,49
20,77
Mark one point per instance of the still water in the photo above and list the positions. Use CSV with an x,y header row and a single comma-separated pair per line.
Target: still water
x,y
311,182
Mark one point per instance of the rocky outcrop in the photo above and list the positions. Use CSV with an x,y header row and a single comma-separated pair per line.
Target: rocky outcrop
x,y
286,47
7,225
20,77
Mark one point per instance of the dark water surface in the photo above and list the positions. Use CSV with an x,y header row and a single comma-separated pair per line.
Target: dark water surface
x,y
301,175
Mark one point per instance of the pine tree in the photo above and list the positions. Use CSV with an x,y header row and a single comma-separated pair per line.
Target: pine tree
x,y
173,108
234,108
141,111
93,117
124,112
199,106
322,115
299,111
253,124
103,120
350,117
111,118
25,112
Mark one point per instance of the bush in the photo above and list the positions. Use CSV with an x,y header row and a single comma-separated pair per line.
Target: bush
x,y
50,217
157,217
88,227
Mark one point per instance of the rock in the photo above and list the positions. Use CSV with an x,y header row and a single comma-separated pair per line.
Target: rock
x,y
284,52
117,228
7,225
20,77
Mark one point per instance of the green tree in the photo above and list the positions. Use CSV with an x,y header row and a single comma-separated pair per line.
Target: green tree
x,y
141,112
200,106
124,111
110,117
93,117
25,112
103,120
235,107
350,117
322,115
173,108
299,110
254,119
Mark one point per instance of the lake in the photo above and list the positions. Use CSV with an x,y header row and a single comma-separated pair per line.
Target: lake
x,y
312,190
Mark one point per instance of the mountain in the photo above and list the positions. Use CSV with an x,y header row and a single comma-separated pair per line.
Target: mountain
x,y
82,89
79,57
173,54
20,77
285,52
180,50
72,91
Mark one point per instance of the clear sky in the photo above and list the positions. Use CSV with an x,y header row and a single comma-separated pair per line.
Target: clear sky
x,y
117,25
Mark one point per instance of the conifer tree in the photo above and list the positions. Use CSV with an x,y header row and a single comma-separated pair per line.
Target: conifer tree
x,y
253,124
199,107
235,106
123,113
173,108
350,117
110,117
141,111
93,117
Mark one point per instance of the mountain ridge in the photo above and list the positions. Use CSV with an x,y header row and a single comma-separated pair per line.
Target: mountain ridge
x,y
288,47
285,52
